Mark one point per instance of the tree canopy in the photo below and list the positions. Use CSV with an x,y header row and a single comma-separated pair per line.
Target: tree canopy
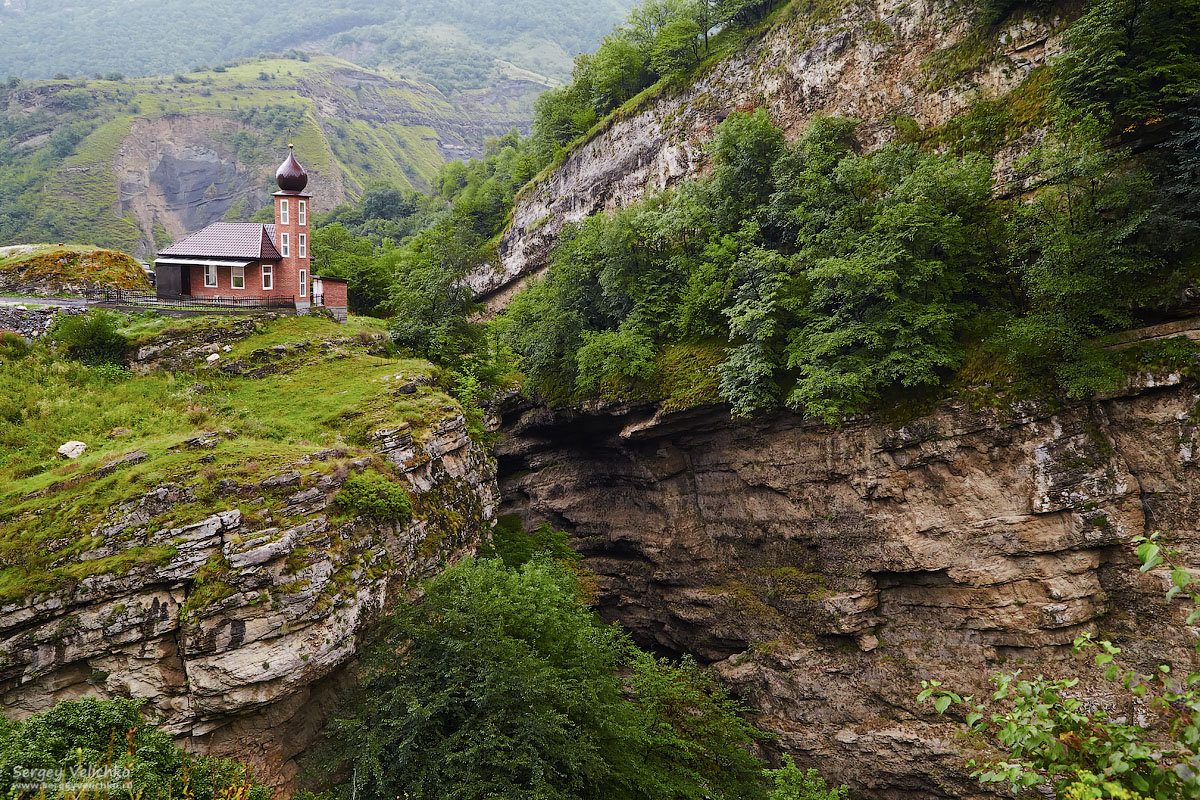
x,y
502,682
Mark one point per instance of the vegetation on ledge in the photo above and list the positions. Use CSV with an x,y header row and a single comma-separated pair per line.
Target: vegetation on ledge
x,y
54,269
80,745
326,387
511,686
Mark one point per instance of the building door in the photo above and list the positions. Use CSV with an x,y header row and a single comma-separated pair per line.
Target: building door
x,y
170,279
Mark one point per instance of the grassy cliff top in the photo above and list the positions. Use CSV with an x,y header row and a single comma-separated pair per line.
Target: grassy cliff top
x,y
52,268
290,388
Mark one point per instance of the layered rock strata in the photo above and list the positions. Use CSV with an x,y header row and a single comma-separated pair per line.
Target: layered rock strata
x,y
826,571
240,633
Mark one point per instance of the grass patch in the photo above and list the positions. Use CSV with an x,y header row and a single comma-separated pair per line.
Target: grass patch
x,y
51,510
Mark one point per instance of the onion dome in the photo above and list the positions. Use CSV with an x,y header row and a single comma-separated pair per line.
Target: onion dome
x,y
290,176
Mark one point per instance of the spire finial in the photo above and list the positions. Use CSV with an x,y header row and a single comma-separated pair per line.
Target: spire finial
x,y
290,176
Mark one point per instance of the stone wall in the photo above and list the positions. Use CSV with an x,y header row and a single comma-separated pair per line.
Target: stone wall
x,y
31,323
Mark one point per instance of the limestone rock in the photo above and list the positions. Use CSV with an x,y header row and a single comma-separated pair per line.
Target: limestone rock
x,y
824,572
72,449
251,670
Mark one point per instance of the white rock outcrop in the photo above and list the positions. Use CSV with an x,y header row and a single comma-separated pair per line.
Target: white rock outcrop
x,y
72,449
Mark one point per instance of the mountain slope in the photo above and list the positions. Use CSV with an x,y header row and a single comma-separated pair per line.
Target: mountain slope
x,y
131,164
457,45
892,65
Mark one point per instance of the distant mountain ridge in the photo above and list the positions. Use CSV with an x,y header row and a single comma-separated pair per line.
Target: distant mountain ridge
x,y
133,164
458,45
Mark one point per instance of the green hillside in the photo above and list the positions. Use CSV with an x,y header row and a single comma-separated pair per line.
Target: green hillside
x,y
455,44
62,140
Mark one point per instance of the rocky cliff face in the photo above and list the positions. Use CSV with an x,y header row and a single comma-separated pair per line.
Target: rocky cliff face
x,y
238,636
869,61
826,572
246,592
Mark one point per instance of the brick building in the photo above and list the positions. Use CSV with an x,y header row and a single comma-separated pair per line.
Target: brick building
x,y
251,264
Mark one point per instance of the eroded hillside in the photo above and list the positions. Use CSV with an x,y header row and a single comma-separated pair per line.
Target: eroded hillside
x,y
133,164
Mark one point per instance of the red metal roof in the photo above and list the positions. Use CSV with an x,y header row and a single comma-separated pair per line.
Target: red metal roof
x,y
228,240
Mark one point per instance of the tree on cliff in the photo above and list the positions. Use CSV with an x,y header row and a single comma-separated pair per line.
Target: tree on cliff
x,y
502,683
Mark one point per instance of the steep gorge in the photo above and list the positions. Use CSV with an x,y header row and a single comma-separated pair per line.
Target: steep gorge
x,y
824,572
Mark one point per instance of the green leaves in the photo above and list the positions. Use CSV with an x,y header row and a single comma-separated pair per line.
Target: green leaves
x,y
114,734
835,278
1059,743
1130,60
376,496
502,683
792,783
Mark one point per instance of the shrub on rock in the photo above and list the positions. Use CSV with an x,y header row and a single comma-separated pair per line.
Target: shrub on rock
x,y
374,495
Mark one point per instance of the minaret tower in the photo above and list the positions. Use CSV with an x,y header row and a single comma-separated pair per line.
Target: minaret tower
x,y
292,210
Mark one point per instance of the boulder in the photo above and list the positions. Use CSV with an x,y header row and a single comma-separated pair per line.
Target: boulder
x,y
72,449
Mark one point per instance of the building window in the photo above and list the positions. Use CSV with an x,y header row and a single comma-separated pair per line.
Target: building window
x,y
283,244
303,213
237,277
283,212
304,283
268,276
303,246
210,276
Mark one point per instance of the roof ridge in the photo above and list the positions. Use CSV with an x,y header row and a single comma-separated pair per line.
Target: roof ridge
x,y
227,239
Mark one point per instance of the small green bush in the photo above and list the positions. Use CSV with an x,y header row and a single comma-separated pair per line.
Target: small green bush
x,y
92,338
374,495
789,782
515,546
113,735
12,346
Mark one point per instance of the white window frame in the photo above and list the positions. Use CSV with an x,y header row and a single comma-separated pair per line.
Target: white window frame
x,y
283,244
303,246
304,283
237,274
210,269
268,277
303,212
283,211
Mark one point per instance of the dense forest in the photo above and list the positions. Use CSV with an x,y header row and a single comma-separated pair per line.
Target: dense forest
x,y
813,275
455,45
